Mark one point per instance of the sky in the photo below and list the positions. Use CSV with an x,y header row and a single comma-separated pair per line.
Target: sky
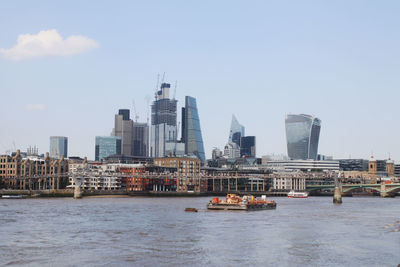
x,y
66,67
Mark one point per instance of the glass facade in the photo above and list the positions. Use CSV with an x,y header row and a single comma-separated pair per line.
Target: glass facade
x,y
192,131
302,136
163,123
236,132
107,146
58,146
248,146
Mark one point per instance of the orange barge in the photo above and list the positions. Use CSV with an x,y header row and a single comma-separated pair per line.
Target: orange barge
x,y
234,202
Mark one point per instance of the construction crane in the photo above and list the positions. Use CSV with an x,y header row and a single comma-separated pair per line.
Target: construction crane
x,y
135,111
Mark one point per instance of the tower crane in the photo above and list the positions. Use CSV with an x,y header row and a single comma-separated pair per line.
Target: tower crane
x,y
134,110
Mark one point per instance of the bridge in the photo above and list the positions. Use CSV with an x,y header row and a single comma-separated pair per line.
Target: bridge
x,y
385,190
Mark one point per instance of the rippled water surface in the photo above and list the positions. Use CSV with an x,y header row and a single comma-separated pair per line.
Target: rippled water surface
x,y
157,232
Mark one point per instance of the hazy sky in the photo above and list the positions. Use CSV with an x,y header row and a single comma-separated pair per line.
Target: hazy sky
x,y
66,68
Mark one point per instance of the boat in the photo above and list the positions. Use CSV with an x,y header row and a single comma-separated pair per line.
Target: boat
x,y
235,202
12,196
293,194
191,210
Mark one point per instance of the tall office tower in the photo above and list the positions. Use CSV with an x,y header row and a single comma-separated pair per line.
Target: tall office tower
x,y
248,146
236,132
58,146
140,139
124,129
302,135
191,131
107,146
163,133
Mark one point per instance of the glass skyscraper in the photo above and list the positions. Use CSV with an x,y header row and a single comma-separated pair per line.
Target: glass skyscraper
x,y
236,132
58,146
302,135
248,146
191,131
107,146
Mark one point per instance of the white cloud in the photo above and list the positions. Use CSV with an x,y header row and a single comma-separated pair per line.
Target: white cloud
x,y
47,43
35,107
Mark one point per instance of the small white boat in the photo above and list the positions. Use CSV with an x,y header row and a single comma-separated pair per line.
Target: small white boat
x,y
293,194
12,196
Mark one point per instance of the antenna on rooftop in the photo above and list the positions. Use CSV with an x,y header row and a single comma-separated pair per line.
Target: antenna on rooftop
x,y
176,85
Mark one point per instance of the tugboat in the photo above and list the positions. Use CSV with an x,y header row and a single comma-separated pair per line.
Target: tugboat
x,y
293,194
235,202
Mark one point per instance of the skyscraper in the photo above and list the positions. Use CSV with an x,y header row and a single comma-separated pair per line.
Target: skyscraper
x,y
58,146
163,133
107,146
140,139
124,129
248,146
236,132
191,131
302,135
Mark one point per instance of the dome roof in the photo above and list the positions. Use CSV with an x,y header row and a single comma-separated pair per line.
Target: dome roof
x,y
372,159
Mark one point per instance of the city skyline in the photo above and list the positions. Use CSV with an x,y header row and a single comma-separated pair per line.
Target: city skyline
x,y
254,63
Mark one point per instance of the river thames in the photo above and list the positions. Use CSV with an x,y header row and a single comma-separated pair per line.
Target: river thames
x,y
157,232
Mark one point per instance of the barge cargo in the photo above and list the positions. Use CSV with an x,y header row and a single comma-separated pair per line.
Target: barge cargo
x,y
234,202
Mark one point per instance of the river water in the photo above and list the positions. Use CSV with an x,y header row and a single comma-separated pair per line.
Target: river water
x,y
157,232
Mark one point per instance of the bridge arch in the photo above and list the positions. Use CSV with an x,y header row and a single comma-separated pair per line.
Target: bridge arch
x,y
393,189
349,189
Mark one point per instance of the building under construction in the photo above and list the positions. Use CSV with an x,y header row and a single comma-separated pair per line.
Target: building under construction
x,y
163,134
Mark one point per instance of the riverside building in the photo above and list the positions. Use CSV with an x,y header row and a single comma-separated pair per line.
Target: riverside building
x,y
188,172
18,171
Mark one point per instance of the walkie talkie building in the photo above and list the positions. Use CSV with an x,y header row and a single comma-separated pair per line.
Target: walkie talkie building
x,y
302,135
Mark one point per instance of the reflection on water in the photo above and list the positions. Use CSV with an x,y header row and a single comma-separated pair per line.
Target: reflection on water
x,y
157,231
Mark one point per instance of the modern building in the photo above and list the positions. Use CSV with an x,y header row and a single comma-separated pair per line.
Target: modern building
x,y
191,131
216,153
140,139
232,151
124,128
302,135
96,176
236,132
303,165
248,146
163,132
353,164
58,147
106,146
